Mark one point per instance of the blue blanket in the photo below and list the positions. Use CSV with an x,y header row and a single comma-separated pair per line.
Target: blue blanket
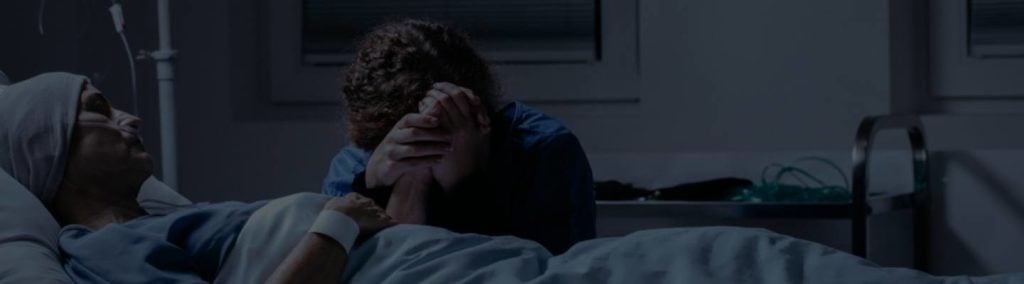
x,y
186,246
420,254
192,246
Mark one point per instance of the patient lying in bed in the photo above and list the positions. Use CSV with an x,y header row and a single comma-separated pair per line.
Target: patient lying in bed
x,y
62,140
82,158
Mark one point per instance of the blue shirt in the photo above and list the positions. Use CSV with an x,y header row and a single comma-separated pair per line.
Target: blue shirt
x,y
187,246
538,184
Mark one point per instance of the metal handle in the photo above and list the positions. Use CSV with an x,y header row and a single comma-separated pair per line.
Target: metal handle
x,y
869,127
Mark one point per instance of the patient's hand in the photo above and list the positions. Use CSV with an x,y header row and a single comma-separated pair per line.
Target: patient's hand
x,y
465,118
370,217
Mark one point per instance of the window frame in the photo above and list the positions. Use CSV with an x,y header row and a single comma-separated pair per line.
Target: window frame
x,y
289,81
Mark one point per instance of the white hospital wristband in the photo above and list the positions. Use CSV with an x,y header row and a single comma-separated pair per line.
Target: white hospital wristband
x,y
337,226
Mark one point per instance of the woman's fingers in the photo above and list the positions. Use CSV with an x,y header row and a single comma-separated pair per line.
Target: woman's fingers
x,y
456,106
414,136
419,135
483,118
452,113
429,106
398,168
463,98
416,150
417,120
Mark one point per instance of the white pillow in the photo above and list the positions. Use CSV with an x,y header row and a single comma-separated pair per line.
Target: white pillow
x,y
28,237
159,199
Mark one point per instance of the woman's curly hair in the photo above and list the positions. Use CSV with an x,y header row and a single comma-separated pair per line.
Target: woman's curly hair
x,y
397,63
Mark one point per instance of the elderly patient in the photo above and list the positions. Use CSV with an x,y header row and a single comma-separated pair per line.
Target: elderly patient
x,y
83,158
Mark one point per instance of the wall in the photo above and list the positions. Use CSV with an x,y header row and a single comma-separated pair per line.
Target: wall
x,y
719,86
774,75
977,202
714,78
79,37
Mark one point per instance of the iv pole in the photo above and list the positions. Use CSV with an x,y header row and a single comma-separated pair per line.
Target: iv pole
x,y
164,57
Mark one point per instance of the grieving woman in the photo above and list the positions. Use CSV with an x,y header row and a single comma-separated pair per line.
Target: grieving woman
x,y
470,165
83,158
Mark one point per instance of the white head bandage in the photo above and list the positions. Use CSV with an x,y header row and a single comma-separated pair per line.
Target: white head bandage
x,y
36,119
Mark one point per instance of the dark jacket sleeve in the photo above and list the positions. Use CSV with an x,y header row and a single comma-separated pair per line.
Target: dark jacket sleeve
x,y
380,195
562,195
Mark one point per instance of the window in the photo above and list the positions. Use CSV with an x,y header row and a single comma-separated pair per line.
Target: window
x,y
996,28
976,49
509,31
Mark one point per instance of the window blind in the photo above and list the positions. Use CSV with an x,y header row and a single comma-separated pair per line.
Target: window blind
x,y
503,30
996,28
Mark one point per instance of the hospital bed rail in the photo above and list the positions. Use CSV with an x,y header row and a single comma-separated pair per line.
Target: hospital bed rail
x,y
917,200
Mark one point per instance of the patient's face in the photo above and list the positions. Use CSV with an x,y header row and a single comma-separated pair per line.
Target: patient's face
x,y
105,144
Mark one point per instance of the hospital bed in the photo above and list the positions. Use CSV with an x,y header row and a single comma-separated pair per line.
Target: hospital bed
x,y
865,204
423,254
